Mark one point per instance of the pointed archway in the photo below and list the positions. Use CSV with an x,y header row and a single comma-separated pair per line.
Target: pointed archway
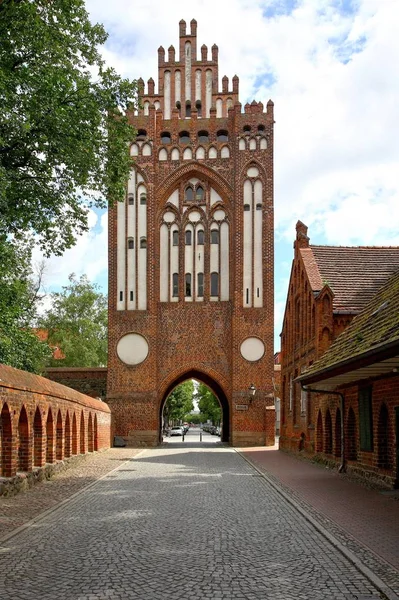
x,y
214,386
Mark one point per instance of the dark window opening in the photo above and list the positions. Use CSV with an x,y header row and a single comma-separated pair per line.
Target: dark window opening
x,y
188,284
175,278
143,242
188,238
214,284
247,128
247,297
121,296
246,207
257,292
165,138
199,194
175,238
200,238
198,106
203,137
214,236
259,206
188,109
130,244
189,194
222,136
143,198
184,137
200,290
178,105
131,199
131,296
141,135
261,128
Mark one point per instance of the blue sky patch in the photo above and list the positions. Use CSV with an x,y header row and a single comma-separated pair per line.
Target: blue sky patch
x,y
277,8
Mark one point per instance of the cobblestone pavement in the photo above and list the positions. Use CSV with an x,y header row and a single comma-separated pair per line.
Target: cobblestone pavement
x,y
178,523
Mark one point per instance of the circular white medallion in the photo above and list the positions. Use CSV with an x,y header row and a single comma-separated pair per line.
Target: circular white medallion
x,y
253,172
219,215
252,349
194,216
132,349
169,217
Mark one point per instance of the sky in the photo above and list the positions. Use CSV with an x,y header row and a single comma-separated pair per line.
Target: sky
x,y
331,69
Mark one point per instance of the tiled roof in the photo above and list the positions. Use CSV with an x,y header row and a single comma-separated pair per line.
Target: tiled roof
x,y
353,273
375,328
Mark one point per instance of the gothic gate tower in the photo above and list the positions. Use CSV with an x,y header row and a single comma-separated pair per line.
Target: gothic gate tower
x,y
191,253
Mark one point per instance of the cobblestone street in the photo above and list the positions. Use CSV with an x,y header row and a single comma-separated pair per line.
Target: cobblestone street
x,y
178,523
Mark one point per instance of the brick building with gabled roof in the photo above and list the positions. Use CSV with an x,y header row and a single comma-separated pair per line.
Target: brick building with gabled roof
x,y
362,365
328,287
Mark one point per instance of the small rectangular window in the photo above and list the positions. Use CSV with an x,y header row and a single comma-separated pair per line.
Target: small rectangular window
x,y
188,238
188,284
366,419
143,199
131,199
175,285
200,290
214,236
246,207
131,296
247,297
214,284
175,238
257,292
121,296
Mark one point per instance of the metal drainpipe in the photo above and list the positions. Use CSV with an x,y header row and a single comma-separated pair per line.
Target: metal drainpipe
x,y
342,467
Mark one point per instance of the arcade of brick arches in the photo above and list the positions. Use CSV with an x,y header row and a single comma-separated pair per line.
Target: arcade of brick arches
x,y
190,275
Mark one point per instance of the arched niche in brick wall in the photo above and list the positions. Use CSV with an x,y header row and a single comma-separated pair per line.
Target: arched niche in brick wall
x,y
213,385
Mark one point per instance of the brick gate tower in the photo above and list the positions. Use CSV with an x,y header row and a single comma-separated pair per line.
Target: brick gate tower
x,y
191,252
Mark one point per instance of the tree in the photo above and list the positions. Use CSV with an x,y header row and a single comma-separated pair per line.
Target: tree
x,y
77,324
179,402
19,299
64,129
208,404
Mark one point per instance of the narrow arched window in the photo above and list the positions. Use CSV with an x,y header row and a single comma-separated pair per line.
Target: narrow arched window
x,y
198,106
214,236
130,199
199,194
130,243
143,198
175,238
188,284
214,284
200,287
188,110
143,242
200,238
188,238
189,194
175,281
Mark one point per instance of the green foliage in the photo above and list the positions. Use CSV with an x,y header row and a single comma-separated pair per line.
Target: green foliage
x,y
77,324
180,402
63,128
19,346
208,404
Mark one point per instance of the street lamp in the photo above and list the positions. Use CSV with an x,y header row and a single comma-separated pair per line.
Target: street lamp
x,y
252,392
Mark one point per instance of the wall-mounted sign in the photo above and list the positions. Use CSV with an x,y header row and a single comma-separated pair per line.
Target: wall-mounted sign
x,y
241,406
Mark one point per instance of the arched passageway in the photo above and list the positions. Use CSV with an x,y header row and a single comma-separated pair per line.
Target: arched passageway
x,y
214,387
38,440
6,442
24,459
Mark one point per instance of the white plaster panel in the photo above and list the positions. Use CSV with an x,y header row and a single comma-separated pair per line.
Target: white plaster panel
x,y
134,150
224,261
189,262
194,180
258,263
187,70
219,214
187,154
200,154
140,178
121,255
253,172
225,152
164,264
247,263
163,155
157,105
229,103
132,349
166,97
242,144
199,261
131,233
194,216
198,75
146,107
252,349
208,91
252,144
215,197
174,262
214,255
177,86
169,216
219,108
174,198
263,144
212,152
175,154
141,252
146,150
